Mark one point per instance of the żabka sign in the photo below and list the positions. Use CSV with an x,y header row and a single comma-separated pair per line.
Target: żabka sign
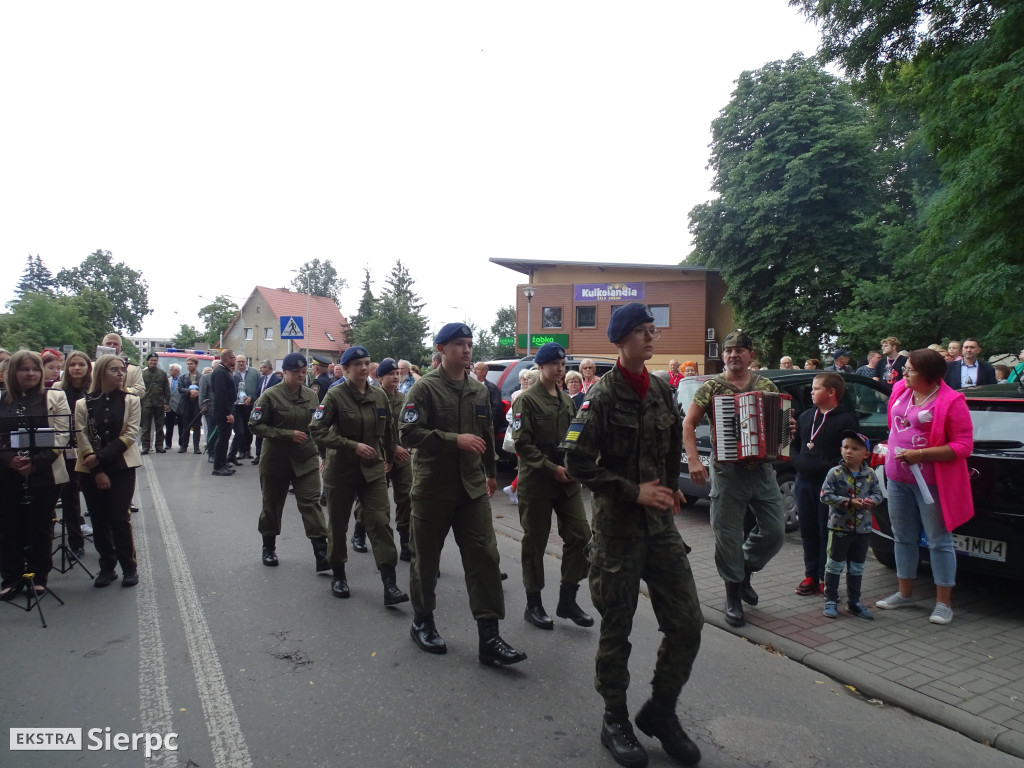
x,y
608,292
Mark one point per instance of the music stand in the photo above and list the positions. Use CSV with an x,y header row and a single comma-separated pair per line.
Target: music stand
x,y
68,558
33,598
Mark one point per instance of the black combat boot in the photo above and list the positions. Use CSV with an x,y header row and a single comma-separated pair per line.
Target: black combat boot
x,y
662,724
494,651
535,613
618,737
424,633
359,537
320,553
567,607
403,537
747,593
339,584
733,605
392,594
270,550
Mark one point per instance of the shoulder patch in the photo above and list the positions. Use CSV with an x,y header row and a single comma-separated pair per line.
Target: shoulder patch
x,y
517,421
585,406
257,413
575,430
409,414
382,413
319,414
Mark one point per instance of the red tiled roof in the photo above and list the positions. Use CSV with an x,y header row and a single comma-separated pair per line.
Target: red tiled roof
x,y
324,316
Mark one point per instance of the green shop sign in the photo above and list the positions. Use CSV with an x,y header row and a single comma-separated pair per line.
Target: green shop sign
x,y
506,341
537,339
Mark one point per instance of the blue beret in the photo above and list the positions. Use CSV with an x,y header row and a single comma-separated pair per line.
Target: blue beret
x,y
386,366
293,361
354,353
549,352
626,318
453,331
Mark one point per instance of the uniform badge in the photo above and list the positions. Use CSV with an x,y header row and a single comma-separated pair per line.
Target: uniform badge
x,y
410,415
319,413
575,429
517,421
257,413
382,413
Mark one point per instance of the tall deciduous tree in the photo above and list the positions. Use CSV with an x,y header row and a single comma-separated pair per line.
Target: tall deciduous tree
x,y
40,320
122,285
320,278
217,315
397,327
798,186
187,337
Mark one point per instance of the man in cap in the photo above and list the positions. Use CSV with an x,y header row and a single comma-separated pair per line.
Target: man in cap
x,y
625,445
447,420
539,423
840,361
289,457
156,399
353,426
321,376
736,485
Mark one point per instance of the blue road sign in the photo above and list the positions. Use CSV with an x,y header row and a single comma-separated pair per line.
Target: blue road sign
x,y
291,327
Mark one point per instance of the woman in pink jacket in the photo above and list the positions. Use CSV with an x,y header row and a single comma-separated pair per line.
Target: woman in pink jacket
x,y
929,429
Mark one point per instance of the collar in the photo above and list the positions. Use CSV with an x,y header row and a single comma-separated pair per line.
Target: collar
x,y
638,382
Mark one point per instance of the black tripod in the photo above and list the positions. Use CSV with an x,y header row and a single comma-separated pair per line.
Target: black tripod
x,y
34,593
68,558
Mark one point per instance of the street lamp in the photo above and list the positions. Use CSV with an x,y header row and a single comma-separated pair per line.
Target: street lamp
x,y
528,292
305,322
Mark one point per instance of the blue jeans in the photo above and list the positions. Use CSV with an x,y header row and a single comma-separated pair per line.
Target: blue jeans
x,y
910,516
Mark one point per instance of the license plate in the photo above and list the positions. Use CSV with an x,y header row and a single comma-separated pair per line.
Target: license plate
x,y
705,460
972,546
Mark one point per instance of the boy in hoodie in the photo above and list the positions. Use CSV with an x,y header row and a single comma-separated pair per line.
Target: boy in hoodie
x,y
815,451
850,490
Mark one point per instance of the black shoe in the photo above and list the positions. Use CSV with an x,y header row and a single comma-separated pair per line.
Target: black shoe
x,y
747,593
339,584
197,452
618,738
665,727
504,576
130,579
161,450
104,579
183,449
320,553
733,605
255,461
494,651
78,552
223,472
234,460
359,538
405,553
535,613
133,509
270,556
144,451
567,607
11,592
424,633
392,594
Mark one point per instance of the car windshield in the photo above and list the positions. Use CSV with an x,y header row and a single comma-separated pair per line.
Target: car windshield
x,y
995,423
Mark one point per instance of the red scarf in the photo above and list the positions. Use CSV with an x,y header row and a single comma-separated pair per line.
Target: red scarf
x,y
638,382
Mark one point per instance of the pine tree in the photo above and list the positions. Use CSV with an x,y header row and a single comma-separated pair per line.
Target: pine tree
x,y
35,279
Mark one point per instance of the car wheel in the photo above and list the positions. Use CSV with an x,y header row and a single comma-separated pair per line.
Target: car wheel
x,y
885,556
788,503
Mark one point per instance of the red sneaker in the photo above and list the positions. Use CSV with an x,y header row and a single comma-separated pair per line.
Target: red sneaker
x,y
808,586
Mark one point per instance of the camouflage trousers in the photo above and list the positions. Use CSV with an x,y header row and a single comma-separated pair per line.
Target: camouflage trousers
x,y
617,566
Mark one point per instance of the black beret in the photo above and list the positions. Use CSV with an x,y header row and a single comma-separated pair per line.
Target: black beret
x,y
453,331
626,318
151,355
293,361
549,352
354,353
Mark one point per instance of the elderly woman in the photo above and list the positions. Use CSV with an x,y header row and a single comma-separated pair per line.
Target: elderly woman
x,y
689,369
574,385
75,384
589,371
31,472
930,438
108,423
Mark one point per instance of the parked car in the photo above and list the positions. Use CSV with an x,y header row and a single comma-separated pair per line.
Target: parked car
x,y
866,398
991,542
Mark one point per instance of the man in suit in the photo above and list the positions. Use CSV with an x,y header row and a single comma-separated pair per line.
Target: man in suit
x,y
222,410
267,379
247,381
969,371
188,406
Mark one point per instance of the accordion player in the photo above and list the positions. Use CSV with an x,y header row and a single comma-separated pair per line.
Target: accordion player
x,y
752,425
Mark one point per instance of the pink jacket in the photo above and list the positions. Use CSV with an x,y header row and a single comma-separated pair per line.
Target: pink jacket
x,y
952,426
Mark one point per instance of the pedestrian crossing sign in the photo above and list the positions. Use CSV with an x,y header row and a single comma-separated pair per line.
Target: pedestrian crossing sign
x,y
291,327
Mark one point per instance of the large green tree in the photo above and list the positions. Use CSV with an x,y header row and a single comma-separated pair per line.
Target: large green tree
x,y
367,308
187,337
798,188
122,285
319,278
397,328
217,316
39,320
35,279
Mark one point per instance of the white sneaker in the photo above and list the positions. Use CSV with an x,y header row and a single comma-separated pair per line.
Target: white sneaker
x,y
86,529
941,614
512,495
895,601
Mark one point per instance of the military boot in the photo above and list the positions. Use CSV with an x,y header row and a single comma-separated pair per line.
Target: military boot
x,y
733,605
535,613
618,737
320,553
405,554
270,550
662,724
392,594
567,607
425,634
747,593
339,584
359,537
494,651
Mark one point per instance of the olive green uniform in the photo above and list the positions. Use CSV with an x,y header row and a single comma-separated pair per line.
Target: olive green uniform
x,y
616,442
276,415
344,419
449,490
400,474
539,424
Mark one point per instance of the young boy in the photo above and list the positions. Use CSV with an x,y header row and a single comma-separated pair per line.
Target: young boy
x,y
850,490
815,451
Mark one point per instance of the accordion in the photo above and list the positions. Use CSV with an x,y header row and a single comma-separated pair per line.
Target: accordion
x,y
752,425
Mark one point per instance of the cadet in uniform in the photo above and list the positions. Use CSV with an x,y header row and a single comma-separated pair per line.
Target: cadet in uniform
x,y
539,423
401,471
353,425
625,446
322,381
447,420
289,457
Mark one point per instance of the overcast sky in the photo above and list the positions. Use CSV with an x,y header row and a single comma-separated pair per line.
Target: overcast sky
x,y
215,146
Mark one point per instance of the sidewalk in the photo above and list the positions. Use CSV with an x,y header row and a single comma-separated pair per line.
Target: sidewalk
x,y
967,676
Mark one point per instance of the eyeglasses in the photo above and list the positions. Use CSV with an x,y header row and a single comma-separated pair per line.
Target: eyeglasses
x,y
907,369
647,333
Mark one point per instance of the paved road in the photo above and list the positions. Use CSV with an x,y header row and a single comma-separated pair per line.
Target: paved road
x,y
262,666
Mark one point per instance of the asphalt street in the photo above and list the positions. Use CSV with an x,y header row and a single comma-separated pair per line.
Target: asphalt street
x,y
257,666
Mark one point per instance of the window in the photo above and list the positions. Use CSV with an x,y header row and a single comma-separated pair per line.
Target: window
x,y
660,312
268,334
586,317
552,317
247,334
